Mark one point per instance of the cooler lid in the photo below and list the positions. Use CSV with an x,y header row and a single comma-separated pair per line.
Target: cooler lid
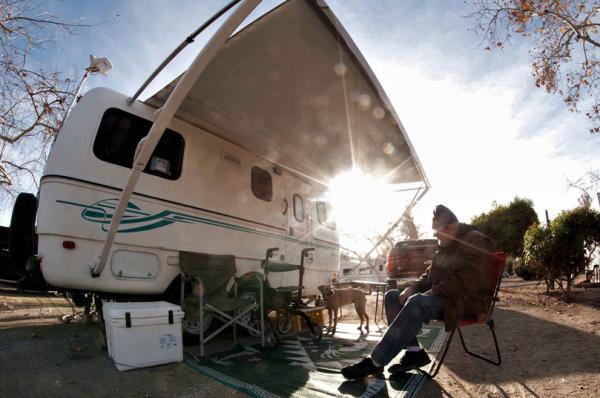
x,y
140,310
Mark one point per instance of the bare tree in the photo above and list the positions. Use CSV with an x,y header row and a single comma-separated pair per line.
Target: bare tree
x,y
33,97
588,185
566,50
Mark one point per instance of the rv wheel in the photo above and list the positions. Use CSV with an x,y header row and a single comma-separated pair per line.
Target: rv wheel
x,y
192,326
21,239
191,329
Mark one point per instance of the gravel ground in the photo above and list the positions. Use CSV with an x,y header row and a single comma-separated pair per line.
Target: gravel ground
x,y
47,358
549,348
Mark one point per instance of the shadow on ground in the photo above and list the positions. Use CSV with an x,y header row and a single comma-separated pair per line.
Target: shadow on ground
x,y
66,360
533,352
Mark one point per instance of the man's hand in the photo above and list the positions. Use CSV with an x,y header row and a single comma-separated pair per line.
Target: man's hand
x,y
406,293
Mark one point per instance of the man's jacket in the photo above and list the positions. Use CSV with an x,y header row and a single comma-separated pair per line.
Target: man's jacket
x,y
461,275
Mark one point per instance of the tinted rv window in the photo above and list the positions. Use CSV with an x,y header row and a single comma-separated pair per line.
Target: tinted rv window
x,y
298,208
262,184
118,137
321,212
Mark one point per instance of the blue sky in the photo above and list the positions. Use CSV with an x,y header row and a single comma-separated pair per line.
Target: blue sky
x,y
480,127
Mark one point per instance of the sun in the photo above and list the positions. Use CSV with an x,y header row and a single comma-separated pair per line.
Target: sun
x,y
362,204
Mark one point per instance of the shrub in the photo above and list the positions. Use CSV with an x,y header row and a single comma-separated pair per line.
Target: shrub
x,y
524,270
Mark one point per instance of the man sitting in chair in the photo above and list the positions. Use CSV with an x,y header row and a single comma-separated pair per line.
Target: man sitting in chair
x,y
460,272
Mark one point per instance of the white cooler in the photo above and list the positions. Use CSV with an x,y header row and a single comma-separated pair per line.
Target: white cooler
x,y
143,334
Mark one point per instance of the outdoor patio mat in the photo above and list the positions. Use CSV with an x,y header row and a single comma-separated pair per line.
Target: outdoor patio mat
x,y
304,369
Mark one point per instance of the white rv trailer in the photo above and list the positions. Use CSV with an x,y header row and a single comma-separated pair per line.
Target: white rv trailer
x,y
256,128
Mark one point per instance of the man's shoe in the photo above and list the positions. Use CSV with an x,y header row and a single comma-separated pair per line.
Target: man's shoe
x,y
362,369
411,360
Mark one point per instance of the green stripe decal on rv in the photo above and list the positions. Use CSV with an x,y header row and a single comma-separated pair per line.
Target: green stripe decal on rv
x,y
136,220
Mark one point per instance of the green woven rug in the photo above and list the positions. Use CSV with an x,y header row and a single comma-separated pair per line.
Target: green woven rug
x,y
304,369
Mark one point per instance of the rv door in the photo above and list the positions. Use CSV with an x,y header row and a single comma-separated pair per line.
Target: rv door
x,y
297,216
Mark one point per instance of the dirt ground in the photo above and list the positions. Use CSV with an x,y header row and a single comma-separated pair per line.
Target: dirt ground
x,y
41,356
549,349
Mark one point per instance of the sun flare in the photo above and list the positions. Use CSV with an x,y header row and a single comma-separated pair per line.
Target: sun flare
x,y
363,205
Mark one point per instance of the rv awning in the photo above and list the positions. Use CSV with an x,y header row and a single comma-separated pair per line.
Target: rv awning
x,y
292,88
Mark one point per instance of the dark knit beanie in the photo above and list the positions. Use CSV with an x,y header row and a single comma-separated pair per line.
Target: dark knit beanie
x,y
442,216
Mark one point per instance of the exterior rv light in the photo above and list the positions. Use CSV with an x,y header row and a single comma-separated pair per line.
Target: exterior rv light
x,y
99,65
160,165
68,244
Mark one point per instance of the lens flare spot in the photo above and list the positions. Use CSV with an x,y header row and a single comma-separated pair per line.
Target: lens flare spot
x,y
378,112
389,149
340,69
364,101
321,140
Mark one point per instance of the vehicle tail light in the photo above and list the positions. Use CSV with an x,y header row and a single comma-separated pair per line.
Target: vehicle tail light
x,y
68,244
390,265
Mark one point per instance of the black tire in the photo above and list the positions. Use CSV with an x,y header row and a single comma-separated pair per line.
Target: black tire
x,y
271,340
255,323
284,324
78,298
317,333
190,340
271,337
21,237
191,337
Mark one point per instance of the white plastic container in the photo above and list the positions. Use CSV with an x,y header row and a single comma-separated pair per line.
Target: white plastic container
x,y
143,334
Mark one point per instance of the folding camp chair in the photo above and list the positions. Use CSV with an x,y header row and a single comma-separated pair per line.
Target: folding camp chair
x,y
498,261
210,275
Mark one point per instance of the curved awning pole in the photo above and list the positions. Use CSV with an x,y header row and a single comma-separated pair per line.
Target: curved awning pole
x,y
163,117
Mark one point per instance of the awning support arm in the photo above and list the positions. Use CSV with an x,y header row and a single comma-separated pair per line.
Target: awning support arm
x,y
163,117
391,229
187,41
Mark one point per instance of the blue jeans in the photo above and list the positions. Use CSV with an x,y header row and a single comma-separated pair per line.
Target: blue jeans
x,y
404,322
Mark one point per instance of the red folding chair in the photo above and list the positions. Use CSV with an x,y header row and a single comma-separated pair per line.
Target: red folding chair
x,y
499,259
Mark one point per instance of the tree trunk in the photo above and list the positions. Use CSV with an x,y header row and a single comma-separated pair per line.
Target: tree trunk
x,y
547,280
568,291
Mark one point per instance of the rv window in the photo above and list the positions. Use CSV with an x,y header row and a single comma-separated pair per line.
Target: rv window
x,y
262,184
330,215
119,135
321,212
298,208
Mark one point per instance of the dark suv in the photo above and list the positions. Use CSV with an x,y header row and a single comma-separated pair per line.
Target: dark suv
x,y
409,258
